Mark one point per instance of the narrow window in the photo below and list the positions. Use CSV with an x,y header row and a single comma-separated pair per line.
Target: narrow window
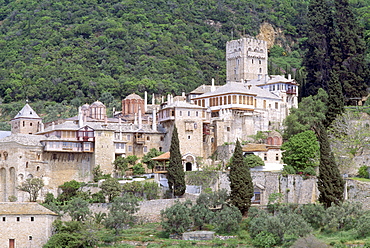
x,y
29,237
265,157
277,157
4,218
18,218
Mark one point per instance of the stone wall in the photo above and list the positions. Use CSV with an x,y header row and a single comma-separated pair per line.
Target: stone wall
x,y
295,189
357,191
149,210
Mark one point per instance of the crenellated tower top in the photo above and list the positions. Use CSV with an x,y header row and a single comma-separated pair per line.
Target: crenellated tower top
x,y
246,59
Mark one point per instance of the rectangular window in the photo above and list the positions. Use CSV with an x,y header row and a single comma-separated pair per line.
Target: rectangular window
x,y
32,218
4,218
130,148
265,157
128,137
18,218
145,149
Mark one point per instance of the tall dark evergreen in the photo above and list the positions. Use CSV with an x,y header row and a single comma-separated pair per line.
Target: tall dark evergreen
x,y
353,70
320,27
240,181
330,183
175,171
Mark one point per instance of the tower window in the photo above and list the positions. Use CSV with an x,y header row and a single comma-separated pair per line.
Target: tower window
x,y
31,124
18,218
32,218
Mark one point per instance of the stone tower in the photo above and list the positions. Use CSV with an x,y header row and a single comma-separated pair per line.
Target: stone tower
x,y
246,59
26,121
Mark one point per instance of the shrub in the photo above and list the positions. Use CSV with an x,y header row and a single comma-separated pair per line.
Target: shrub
x,y
313,214
363,226
363,172
309,171
227,220
264,240
343,217
288,170
177,218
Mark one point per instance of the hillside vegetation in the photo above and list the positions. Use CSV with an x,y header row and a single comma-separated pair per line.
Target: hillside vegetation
x,y
77,50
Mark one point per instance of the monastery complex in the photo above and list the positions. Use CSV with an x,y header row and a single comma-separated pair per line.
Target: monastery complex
x,y
207,118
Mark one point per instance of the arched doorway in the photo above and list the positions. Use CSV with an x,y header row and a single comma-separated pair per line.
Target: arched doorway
x,y
188,166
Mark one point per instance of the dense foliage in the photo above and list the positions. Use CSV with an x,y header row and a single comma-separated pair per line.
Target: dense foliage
x,y
87,48
289,222
210,209
301,151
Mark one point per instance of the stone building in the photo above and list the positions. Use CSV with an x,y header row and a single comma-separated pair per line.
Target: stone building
x,y
25,224
26,121
246,59
207,119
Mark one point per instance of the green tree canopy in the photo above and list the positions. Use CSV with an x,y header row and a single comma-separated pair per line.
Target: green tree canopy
x,y
111,188
78,209
147,158
121,212
253,160
301,151
32,186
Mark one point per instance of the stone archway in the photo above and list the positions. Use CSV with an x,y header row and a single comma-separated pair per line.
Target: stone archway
x,y
189,162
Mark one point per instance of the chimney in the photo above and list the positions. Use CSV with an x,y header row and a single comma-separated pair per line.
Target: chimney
x,y
266,78
53,125
145,102
135,119
162,101
259,77
153,99
80,118
289,76
42,127
213,88
154,124
140,119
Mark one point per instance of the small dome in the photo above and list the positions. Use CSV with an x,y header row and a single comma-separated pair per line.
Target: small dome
x,y
274,133
97,104
133,96
85,106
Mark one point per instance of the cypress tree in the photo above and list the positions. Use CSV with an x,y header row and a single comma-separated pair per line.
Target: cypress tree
x,y
317,61
353,70
330,182
240,181
175,171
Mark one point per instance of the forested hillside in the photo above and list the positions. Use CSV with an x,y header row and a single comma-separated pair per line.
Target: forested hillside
x,y
64,50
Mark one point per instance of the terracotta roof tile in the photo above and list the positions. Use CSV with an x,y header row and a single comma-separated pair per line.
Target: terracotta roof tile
x,y
31,208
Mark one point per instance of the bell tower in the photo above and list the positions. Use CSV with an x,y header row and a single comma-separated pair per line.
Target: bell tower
x,y
246,59
26,121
